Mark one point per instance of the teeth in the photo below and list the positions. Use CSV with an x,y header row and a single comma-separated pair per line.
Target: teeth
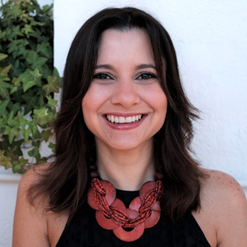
x,y
121,120
132,119
128,119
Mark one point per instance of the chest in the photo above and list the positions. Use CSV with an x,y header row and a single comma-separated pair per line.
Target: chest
x,y
83,230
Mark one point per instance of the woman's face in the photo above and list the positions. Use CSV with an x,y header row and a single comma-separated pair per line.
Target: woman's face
x,y
124,105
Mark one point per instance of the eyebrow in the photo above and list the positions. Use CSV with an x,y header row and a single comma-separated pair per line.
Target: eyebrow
x,y
144,66
104,66
141,66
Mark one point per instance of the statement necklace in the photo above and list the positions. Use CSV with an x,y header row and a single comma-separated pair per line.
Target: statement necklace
x,y
128,224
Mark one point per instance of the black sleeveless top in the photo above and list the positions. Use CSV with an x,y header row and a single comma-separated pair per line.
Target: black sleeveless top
x,y
83,231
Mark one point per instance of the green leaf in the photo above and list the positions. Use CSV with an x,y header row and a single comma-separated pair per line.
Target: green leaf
x,y
18,68
3,56
35,74
43,117
52,146
11,120
4,89
45,49
41,101
31,102
22,122
13,46
3,124
51,102
3,106
46,134
3,36
47,8
34,129
28,85
14,149
35,151
35,23
17,96
30,75
16,107
4,71
26,133
13,90
17,46
46,71
35,60
27,29
30,78
19,165
17,81
59,79
52,86
41,113
13,11
24,127
5,160
15,31
11,132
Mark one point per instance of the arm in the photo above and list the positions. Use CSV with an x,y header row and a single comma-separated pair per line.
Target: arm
x,y
30,227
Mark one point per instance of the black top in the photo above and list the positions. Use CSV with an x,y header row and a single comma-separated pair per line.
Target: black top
x,y
83,230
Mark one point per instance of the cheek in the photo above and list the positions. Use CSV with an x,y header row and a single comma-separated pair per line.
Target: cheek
x,y
160,104
85,105
163,104
158,99
91,104
89,100
163,109
161,99
87,108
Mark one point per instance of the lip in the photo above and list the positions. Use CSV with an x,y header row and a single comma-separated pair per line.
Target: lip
x,y
124,126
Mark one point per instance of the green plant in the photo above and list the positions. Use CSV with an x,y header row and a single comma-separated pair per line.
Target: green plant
x,y
28,81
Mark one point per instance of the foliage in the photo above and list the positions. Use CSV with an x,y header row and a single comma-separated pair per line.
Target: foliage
x,y
28,82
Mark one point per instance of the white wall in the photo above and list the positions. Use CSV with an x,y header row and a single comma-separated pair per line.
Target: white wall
x,y
211,42
8,190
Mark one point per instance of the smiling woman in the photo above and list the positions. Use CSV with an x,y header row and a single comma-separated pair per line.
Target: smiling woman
x,y
123,174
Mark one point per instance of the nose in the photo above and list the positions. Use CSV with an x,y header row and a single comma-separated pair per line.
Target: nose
x,y
125,93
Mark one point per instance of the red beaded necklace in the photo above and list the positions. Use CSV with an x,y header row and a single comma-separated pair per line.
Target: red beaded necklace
x,y
111,213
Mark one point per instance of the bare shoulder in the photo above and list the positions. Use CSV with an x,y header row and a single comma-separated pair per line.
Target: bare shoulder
x,y
29,178
221,187
219,183
224,202
30,228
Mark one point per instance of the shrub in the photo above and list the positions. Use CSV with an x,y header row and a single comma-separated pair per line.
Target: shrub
x,y
28,81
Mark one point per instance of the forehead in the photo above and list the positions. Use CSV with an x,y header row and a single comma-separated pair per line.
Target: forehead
x,y
125,44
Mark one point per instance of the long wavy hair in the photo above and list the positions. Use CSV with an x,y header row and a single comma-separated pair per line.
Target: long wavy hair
x,y
66,181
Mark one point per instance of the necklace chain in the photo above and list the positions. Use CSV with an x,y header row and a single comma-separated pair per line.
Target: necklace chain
x,y
117,215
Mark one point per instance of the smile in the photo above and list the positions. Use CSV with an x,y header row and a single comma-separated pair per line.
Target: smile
x,y
121,119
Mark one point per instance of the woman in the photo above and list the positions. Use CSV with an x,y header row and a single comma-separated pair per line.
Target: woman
x,y
123,174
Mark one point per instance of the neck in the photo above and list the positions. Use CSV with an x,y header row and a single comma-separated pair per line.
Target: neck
x,y
126,170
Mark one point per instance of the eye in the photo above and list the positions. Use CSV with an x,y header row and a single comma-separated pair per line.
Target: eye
x,y
146,76
102,76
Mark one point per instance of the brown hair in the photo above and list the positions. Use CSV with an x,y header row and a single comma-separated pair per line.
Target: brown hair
x,y
67,179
